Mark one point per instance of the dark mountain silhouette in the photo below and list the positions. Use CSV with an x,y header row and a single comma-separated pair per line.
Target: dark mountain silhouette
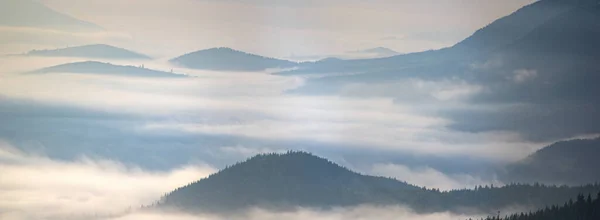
x,y
567,162
90,51
227,59
94,67
29,13
554,69
511,28
298,179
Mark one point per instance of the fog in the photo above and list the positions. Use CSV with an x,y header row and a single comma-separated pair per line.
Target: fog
x,y
255,105
36,187
356,213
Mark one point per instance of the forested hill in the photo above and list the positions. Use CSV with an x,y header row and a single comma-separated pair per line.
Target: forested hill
x,y
298,179
583,208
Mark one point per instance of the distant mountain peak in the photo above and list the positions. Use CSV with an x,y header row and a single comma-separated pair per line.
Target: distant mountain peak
x,y
228,59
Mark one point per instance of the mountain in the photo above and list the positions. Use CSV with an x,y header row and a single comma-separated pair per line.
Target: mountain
x,y
30,13
227,59
541,60
101,51
562,53
93,67
499,36
293,179
571,162
511,28
299,179
553,69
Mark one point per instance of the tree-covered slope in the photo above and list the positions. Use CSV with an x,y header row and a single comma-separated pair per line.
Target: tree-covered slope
x,y
583,208
287,180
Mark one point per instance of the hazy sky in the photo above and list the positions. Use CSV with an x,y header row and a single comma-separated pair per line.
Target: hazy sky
x,y
285,28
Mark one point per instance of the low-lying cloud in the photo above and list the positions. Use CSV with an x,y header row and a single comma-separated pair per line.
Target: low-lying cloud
x,y
355,213
256,105
36,187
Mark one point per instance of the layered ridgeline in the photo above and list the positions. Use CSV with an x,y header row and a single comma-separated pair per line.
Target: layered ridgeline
x,y
554,25
99,68
33,14
99,51
298,179
227,59
567,162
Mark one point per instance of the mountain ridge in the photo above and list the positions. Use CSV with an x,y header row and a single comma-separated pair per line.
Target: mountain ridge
x,y
228,59
100,68
90,51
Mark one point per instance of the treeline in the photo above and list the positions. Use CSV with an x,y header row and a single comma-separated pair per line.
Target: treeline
x,y
582,209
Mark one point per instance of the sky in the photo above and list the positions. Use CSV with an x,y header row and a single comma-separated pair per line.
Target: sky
x,y
283,28
67,138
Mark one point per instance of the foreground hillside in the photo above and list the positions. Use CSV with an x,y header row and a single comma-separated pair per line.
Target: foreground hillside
x,y
298,179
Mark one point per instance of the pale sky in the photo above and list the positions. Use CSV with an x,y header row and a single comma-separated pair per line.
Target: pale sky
x,y
284,28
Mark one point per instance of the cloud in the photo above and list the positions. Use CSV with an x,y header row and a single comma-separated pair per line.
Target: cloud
x,y
524,75
429,177
356,213
36,187
254,106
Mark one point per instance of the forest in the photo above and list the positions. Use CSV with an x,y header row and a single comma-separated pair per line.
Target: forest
x,y
583,208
